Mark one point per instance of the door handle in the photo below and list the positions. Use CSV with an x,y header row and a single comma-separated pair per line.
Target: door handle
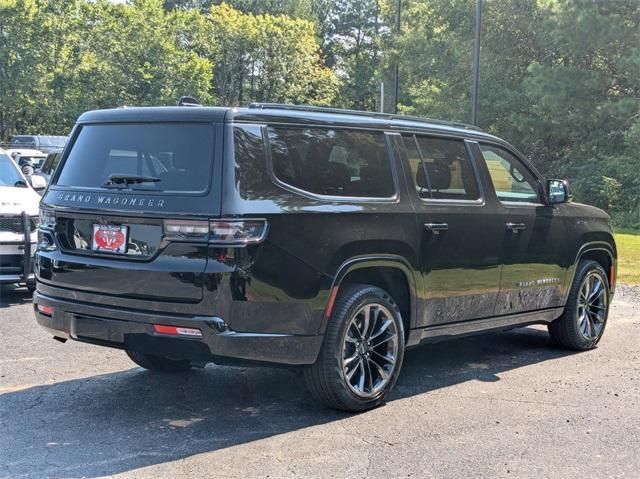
x,y
436,228
515,227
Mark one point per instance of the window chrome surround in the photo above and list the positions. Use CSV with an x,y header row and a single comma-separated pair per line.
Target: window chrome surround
x,y
470,157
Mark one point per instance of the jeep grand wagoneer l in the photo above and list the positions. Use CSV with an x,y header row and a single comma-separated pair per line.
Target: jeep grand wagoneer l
x,y
322,239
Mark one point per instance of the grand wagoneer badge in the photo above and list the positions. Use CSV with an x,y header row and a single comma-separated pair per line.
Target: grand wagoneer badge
x,y
114,200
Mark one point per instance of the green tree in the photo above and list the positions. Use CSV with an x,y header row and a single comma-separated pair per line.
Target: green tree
x,y
265,58
351,33
584,117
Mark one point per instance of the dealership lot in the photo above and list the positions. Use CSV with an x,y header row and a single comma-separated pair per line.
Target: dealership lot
x,y
500,405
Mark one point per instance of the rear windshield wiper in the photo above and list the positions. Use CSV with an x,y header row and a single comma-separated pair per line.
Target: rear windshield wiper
x,y
122,181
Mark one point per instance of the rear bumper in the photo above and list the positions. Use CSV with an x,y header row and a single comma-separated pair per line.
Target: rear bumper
x,y
123,328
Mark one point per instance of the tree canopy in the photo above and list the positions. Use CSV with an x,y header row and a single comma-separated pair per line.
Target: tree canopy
x,y
558,78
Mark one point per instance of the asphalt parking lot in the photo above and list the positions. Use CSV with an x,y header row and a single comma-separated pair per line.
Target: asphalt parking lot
x,y
500,405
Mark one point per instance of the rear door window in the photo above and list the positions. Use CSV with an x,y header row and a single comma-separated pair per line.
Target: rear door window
x,y
164,157
332,162
441,168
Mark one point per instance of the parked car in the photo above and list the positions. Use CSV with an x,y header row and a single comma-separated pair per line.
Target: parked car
x,y
18,225
14,153
49,165
35,160
321,239
44,143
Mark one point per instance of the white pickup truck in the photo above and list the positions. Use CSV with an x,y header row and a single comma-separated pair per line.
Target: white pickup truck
x,y
18,225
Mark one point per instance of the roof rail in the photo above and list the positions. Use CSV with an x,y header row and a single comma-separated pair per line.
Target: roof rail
x,y
387,116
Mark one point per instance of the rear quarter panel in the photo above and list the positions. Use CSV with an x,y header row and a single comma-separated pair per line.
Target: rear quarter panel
x,y
309,239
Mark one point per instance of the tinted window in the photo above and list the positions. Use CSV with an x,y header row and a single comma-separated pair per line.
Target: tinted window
x,y
53,141
35,161
8,172
511,180
23,140
252,178
177,156
332,162
50,163
441,168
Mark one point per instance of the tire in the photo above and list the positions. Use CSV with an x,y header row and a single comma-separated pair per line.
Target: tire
x,y
370,351
582,323
158,363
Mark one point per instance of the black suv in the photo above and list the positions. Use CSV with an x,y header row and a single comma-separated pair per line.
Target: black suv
x,y
323,239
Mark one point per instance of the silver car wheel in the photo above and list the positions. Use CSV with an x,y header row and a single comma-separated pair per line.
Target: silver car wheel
x,y
369,350
592,306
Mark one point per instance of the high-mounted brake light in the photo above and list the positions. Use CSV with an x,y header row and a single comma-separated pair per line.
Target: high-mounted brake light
x,y
176,330
237,232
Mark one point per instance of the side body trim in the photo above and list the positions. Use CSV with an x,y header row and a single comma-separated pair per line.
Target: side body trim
x,y
448,331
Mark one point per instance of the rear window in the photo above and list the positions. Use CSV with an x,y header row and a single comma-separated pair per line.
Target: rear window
x,y
350,163
53,141
23,140
35,161
167,157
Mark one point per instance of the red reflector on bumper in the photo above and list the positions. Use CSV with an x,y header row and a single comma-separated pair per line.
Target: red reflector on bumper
x,y
44,309
176,330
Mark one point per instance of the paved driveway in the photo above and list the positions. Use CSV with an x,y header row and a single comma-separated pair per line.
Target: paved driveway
x,y
500,405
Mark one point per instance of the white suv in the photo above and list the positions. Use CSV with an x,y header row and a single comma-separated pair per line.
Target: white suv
x,y
18,224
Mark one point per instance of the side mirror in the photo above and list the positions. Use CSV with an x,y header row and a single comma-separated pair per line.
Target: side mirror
x,y
557,191
38,182
20,184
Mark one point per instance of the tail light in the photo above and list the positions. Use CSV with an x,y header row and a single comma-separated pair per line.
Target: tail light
x,y
46,310
218,232
237,232
186,230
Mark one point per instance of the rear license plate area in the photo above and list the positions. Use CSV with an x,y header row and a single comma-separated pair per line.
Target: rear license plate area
x,y
109,238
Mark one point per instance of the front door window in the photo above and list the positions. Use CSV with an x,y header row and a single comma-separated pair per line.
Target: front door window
x,y
511,180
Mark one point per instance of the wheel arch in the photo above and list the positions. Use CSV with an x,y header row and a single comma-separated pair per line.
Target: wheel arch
x,y
602,252
383,271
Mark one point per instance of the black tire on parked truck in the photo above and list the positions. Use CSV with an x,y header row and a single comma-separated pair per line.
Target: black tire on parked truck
x,y
362,351
158,363
582,324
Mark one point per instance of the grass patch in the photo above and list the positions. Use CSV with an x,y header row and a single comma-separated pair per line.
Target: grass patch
x,y
628,243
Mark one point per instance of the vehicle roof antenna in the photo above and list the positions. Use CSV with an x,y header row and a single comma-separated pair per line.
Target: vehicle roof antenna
x,y
188,101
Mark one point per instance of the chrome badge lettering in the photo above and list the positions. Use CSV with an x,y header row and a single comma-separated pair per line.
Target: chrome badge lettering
x,y
105,200
537,282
